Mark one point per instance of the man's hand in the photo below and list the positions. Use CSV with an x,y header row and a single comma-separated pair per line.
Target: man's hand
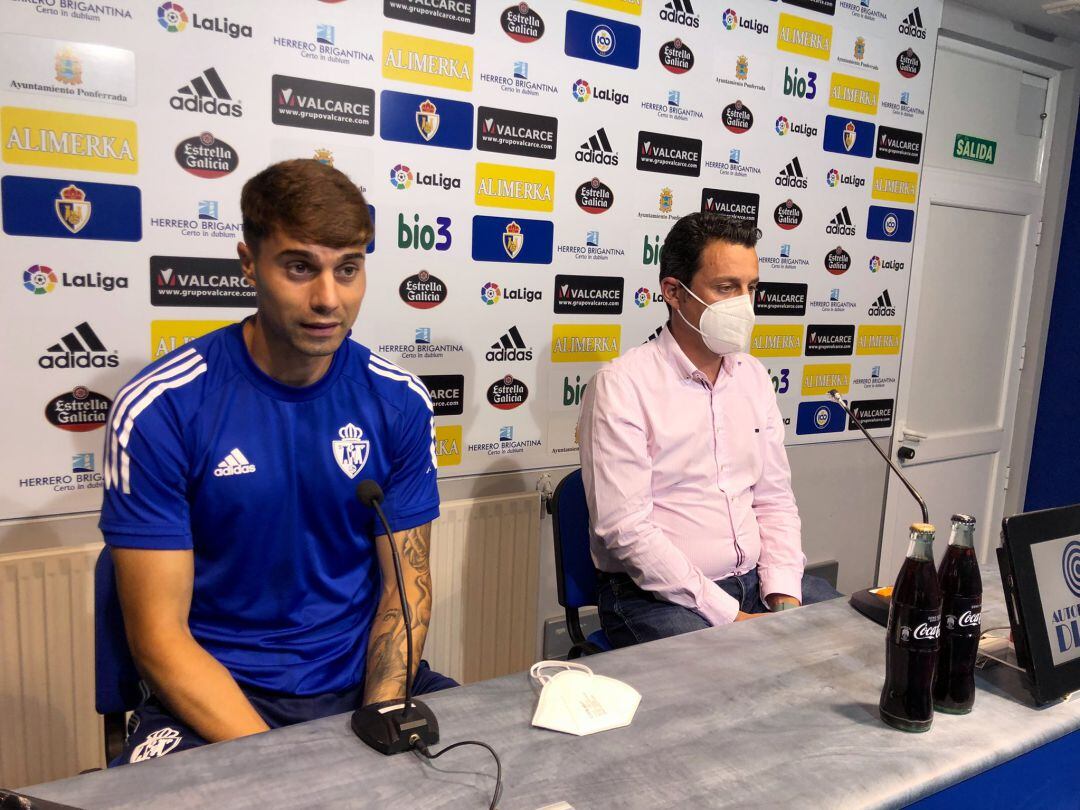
x,y
774,600
742,617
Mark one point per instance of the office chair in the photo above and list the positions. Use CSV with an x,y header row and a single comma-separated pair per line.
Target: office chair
x,y
574,571
117,688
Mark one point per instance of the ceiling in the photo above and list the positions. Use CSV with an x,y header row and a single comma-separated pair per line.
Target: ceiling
x,y
1030,12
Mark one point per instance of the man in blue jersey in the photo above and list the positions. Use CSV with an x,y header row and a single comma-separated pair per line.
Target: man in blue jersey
x,y
255,590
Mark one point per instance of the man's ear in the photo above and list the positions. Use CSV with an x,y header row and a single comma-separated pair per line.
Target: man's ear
x,y
669,288
247,261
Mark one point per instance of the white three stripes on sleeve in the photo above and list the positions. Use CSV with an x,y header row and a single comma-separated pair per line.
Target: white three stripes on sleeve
x,y
384,368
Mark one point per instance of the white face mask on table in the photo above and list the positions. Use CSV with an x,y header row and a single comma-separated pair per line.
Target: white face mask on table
x,y
725,327
576,701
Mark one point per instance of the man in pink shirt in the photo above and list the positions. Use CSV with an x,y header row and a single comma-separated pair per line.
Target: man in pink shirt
x,y
693,522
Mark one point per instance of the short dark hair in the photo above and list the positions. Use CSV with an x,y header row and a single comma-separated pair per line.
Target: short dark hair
x,y
308,200
688,238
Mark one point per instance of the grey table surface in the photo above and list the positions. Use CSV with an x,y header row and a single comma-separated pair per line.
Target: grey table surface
x,y
780,711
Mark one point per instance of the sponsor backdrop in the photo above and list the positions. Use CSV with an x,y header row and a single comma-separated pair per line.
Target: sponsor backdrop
x,y
523,162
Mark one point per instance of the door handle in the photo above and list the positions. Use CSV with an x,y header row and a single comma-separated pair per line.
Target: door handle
x,y
905,453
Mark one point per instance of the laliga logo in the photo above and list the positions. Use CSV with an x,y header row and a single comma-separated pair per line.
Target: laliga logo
x,y
490,294
1070,567
581,90
731,19
603,40
641,297
833,178
781,125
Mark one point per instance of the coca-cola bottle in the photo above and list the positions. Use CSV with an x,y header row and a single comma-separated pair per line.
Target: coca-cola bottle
x,y
961,623
911,644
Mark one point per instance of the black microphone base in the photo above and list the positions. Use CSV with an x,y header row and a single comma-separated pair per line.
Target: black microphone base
x,y
390,729
871,605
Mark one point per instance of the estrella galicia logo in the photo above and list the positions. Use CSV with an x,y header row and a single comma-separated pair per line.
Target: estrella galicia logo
x,y
422,290
788,215
599,39
325,106
908,64
829,339
837,261
740,205
206,156
512,239
37,206
594,196
446,391
903,145
873,413
676,56
737,117
1070,567
668,154
516,133
848,136
78,410
458,16
425,120
507,393
522,23
819,417
588,295
774,298
890,224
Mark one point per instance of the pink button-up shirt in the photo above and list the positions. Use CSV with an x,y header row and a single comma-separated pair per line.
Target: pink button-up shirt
x,y
688,482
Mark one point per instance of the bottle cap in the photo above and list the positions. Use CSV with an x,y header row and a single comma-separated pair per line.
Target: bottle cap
x,y
967,520
923,528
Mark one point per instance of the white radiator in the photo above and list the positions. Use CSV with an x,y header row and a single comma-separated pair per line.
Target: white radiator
x,y
485,558
48,726
484,567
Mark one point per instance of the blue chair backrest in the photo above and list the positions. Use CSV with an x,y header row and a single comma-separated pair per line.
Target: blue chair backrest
x,y
116,678
574,571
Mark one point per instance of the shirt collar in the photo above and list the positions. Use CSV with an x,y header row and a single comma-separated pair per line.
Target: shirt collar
x,y
676,358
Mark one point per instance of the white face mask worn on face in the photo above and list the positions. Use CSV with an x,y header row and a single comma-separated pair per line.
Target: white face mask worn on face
x,y
725,327
577,702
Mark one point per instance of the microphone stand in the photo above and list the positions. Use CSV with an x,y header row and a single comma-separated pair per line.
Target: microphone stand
x,y
871,605
391,727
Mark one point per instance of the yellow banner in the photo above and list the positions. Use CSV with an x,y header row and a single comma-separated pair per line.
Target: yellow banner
x,y
804,37
448,445
878,339
69,141
584,343
820,378
168,335
625,6
515,187
777,341
854,93
427,61
895,185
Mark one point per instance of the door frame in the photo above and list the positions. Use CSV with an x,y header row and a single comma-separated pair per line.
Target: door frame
x,y
955,188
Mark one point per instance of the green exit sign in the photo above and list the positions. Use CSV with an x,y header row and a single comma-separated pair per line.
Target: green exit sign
x,y
968,147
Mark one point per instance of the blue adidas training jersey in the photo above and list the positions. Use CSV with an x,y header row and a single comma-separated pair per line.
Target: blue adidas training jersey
x,y
206,452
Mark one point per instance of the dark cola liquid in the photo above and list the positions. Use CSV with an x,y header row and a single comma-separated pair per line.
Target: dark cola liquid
x,y
961,625
911,647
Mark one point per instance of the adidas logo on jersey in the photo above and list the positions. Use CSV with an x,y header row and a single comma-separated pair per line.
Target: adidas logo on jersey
x,y
234,464
841,223
510,347
206,93
882,307
597,149
792,176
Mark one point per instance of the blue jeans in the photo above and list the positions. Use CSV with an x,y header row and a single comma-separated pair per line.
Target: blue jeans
x,y
630,615
154,731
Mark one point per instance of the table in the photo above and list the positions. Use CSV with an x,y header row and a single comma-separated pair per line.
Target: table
x,y
778,711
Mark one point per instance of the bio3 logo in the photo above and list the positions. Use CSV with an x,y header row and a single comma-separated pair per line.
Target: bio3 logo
x,y
798,86
780,381
424,237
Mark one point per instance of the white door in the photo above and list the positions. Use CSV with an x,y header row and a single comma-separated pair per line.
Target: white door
x,y
977,227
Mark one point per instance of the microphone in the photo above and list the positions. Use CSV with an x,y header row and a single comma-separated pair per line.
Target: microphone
x,y
875,606
391,727
914,492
